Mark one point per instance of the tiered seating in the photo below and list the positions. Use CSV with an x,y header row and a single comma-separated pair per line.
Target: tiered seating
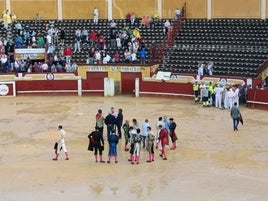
x,y
237,46
150,35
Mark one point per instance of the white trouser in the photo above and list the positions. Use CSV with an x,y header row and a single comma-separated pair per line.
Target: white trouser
x,y
95,19
137,149
226,102
230,103
218,100
61,145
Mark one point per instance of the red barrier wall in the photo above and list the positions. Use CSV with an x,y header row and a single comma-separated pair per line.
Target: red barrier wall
x,y
94,84
166,89
258,98
46,86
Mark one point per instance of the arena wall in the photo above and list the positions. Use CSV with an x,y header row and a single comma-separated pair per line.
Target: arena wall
x,y
47,9
82,9
89,80
236,9
2,5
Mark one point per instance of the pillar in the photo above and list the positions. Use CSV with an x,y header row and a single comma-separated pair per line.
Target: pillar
x,y
209,9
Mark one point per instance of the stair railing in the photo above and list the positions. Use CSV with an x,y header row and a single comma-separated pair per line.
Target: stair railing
x,y
158,51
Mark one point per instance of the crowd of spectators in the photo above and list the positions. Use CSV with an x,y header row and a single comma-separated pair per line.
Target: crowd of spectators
x,y
123,44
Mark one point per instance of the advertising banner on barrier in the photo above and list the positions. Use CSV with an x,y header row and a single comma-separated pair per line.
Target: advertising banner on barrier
x,y
32,53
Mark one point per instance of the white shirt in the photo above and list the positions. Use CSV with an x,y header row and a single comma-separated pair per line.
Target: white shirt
x,y
98,56
177,12
133,56
144,128
167,24
218,91
96,12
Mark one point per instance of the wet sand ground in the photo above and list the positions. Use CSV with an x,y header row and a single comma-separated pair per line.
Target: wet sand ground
x,y
211,163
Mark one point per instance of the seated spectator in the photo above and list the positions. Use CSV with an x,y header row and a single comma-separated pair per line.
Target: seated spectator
x,y
18,26
68,53
62,35
59,67
77,47
101,42
6,19
40,41
129,46
112,25
113,38
142,43
73,67
3,59
91,55
55,37
210,67
19,41
118,41
133,57
142,55
135,45
97,57
44,67
48,39
84,36
116,58
92,38
56,57
36,67
106,59
30,68
51,50
78,32
132,18
67,67
177,12
13,17
34,44
146,21
156,15
17,65
53,68
166,26
37,19
128,17
136,33
127,56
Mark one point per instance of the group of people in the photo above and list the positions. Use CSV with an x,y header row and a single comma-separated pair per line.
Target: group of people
x,y
127,45
136,137
221,96
205,68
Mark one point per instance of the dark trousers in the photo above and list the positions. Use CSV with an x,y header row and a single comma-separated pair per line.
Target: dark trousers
x,y
119,131
110,128
235,123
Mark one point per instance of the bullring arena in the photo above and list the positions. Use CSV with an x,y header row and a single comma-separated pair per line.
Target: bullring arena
x,y
211,162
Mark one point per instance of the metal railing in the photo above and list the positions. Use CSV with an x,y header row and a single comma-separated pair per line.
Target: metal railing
x,y
158,51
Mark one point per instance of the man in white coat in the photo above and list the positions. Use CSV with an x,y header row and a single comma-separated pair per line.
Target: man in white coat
x,y
236,96
218,93
230,95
